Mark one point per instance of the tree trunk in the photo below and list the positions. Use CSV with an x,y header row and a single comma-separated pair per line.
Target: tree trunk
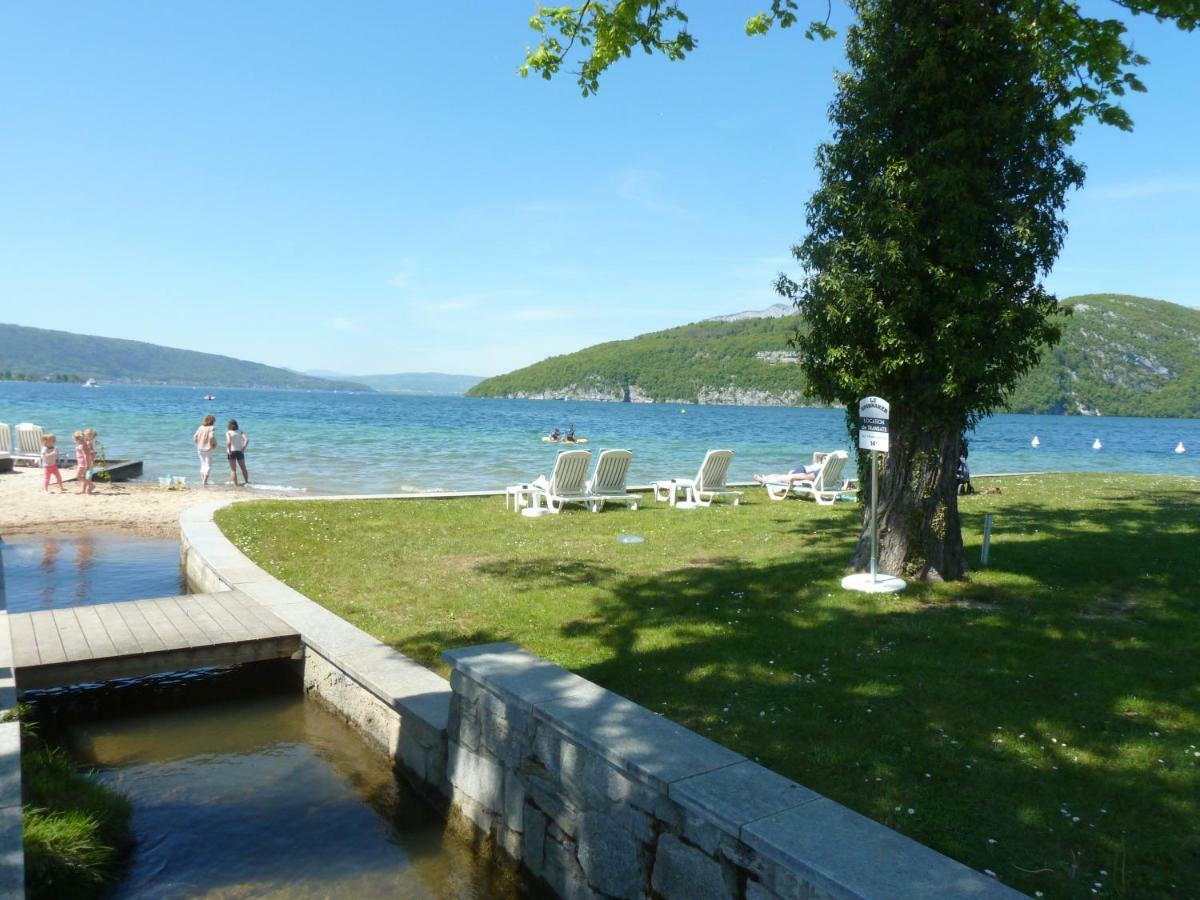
x,y
920,535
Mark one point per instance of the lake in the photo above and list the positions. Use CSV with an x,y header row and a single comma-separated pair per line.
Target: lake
x,y
362,443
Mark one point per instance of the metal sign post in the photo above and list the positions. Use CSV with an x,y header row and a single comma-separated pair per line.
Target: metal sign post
x,y
873,416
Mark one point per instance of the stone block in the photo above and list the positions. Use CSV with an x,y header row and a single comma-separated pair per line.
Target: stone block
x,y
735,795
682,872
514,801
840,852
645,746
561,868
476,777
609,854
533,848
12,853
515,675
10,764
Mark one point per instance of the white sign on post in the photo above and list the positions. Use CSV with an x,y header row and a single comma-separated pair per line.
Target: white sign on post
x,y
873,414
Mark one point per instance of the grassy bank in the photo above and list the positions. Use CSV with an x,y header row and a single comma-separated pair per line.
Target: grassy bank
x,y
76,829
1041,721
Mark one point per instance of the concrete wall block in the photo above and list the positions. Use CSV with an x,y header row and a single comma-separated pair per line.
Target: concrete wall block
x,y
476,777
533,848
504,732
701,832
778,881
380,724
610,855
683,872
463,723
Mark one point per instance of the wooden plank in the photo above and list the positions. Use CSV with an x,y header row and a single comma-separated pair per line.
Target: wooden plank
x,y
206,623
49,645
253,615
162,626
231,624
95,632
131,615
189,631
118,631
24,643
71,634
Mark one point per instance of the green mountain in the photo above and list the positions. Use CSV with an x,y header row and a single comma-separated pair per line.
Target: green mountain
x,y
1120,356
39,354
437,383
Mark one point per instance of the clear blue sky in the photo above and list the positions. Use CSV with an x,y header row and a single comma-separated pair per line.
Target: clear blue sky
x,y
370,187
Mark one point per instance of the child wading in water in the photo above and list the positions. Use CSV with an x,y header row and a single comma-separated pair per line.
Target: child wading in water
x,y
236,443
83,463
50,463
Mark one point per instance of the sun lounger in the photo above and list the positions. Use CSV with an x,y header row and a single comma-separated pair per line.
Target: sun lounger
x,y
824,487
568,483
708,484
5,439
29,444
608,481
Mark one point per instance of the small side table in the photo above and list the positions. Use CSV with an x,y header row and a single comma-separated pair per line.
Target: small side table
x,y
519,494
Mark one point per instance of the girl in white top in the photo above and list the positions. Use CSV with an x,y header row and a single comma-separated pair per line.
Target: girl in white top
x,y
205,442
236,443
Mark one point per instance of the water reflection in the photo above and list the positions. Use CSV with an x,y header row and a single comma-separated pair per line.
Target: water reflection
x,y
54,572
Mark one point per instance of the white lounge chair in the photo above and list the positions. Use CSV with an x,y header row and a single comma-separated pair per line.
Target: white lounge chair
x,y
824,487
29,443
568,483
708,484
5,439
608,481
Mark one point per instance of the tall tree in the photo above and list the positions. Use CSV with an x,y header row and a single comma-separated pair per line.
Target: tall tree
x,y
939,210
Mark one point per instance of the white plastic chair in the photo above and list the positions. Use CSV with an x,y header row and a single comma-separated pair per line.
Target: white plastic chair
x,y
708,484
567,484
608,481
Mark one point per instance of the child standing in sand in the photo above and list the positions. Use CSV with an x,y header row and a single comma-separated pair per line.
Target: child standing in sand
x,y
236,443
83,464
50,463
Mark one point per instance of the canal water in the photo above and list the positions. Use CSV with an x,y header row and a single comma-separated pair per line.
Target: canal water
x,y
48,572
265,796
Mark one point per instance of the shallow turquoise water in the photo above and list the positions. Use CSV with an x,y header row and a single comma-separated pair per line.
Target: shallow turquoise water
x,y
326,441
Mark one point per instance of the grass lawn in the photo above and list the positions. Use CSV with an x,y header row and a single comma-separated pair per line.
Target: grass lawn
x,y
1041,721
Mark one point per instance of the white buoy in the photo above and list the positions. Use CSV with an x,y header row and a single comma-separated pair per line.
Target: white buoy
x,y
1096,445
1035,442
1179,448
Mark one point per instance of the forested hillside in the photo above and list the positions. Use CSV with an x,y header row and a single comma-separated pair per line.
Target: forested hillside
x,y
1120,356
38,353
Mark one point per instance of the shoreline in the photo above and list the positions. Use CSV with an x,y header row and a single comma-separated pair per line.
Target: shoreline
x,y
135,508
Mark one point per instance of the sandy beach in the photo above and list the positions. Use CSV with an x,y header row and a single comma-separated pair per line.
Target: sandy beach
x,y
136,508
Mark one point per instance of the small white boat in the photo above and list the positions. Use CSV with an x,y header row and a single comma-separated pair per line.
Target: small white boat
x,y
1179,448
1035,442
91,382
1096,445
209,397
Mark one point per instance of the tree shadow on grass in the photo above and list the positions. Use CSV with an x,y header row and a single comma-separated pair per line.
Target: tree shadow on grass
x,y
1024,736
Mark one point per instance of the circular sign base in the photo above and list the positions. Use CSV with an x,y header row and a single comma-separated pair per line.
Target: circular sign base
x,y
883,584
534,512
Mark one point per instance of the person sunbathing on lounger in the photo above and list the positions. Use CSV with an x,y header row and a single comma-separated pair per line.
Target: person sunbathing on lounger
x,y
800,473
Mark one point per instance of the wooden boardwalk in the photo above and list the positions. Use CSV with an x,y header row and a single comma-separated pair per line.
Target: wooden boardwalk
x,y
59,647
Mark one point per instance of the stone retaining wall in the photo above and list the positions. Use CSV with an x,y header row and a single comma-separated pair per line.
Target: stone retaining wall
x,y
601,797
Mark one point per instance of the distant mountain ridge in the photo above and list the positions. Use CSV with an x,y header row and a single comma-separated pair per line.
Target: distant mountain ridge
x,y
432,383
1119,356
40,353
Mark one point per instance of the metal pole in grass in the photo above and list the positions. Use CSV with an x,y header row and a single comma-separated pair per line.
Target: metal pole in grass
x,y
873,416
987,539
